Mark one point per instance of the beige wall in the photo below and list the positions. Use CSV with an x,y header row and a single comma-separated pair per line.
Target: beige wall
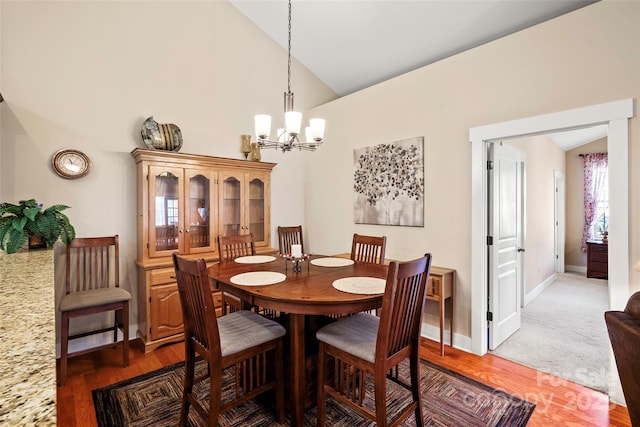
x,y
86,74
575,203
586,57
543,158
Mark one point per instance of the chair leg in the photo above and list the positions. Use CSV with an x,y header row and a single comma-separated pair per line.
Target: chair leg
x,y
381,401
215,397
280,380
115,326
125,333
189,372
64,348
415,388
322,365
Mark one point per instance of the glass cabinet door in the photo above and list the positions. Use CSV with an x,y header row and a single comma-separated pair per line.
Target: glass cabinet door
x,y
198,211
256,209
165,191
231,207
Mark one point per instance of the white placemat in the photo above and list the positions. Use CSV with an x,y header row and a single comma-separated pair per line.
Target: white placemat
x,y
331,262
258,278
360,285
255,259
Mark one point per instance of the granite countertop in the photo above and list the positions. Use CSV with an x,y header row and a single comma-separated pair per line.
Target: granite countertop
x,y
27,339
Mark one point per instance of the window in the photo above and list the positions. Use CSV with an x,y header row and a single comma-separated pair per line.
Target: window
x,y
166,211
596,197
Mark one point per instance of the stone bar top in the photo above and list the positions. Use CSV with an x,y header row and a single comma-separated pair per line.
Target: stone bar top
x,y
27,339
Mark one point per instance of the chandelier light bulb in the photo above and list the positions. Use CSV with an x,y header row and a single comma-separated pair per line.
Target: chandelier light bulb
x,y
293,119
317,129
263,126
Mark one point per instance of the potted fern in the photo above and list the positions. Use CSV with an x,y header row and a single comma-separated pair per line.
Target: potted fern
x,y
27,219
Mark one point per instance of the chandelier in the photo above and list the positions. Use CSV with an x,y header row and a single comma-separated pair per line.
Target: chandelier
x,y
288,137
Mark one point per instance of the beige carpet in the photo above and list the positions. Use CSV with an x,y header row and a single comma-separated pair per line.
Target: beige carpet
x,y
563,332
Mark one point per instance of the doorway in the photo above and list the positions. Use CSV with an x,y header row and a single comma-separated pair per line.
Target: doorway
x,y
615,115
570,341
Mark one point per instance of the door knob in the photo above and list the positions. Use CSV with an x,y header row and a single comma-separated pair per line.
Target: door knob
x,y
520,249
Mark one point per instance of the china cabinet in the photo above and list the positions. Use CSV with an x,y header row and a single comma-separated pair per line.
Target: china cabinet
x,y
184,203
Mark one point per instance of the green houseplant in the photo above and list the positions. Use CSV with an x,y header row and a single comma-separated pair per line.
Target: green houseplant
x,y
28,218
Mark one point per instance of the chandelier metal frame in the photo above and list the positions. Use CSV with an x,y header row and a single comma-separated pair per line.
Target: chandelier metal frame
x,y
287,140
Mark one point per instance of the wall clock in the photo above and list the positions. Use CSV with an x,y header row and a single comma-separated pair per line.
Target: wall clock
x,y
71,164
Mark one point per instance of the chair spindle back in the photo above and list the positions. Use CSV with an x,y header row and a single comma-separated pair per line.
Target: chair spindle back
x,y
369,249
198,311
402,307
232,247
92,263
288,236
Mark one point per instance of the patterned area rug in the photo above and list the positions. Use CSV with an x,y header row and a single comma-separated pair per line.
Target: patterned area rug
x,y
449,399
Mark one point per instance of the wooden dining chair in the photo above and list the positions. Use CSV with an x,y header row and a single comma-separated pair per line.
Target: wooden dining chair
x,y
229,248
288,236
368,249
242,341
363,345
234,246
92,285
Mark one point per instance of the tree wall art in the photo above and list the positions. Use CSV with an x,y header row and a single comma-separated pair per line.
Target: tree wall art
x,y
388,183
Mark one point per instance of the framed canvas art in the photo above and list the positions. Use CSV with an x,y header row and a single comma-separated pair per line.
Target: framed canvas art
x,y
388,183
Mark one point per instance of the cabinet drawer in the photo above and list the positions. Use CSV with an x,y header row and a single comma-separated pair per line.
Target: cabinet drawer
x,y
599,248
217,298
598,257
162,276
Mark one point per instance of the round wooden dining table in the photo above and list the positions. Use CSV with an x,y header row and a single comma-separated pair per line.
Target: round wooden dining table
x,y
299,296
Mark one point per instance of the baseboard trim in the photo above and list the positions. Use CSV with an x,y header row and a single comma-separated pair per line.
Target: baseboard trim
x,y
531,295
576,269
432,333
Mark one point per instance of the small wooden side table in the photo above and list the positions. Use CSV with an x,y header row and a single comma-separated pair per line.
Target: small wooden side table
x,y
440,287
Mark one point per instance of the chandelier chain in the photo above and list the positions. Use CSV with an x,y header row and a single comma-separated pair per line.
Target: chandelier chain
x,y
289,59
287,138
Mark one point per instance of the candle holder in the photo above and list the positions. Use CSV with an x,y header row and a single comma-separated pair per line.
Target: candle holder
x,y
245,147
296,262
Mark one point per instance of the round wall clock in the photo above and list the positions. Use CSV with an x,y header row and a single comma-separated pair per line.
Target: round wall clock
x,y
71,164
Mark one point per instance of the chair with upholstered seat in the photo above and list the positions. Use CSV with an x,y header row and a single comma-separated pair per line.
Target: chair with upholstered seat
x,y
243,340
369,249
288,236
92,285
230,248
364,345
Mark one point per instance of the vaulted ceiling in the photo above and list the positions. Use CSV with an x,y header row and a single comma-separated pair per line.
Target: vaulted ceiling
x,y
353,44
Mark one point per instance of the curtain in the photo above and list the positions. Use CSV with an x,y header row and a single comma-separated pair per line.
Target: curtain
x,y
596,183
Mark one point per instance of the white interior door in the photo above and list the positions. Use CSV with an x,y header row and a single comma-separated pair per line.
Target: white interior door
x,y
559,219
505,244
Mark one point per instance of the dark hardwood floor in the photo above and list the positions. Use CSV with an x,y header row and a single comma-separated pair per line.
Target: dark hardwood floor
x,y
559,402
